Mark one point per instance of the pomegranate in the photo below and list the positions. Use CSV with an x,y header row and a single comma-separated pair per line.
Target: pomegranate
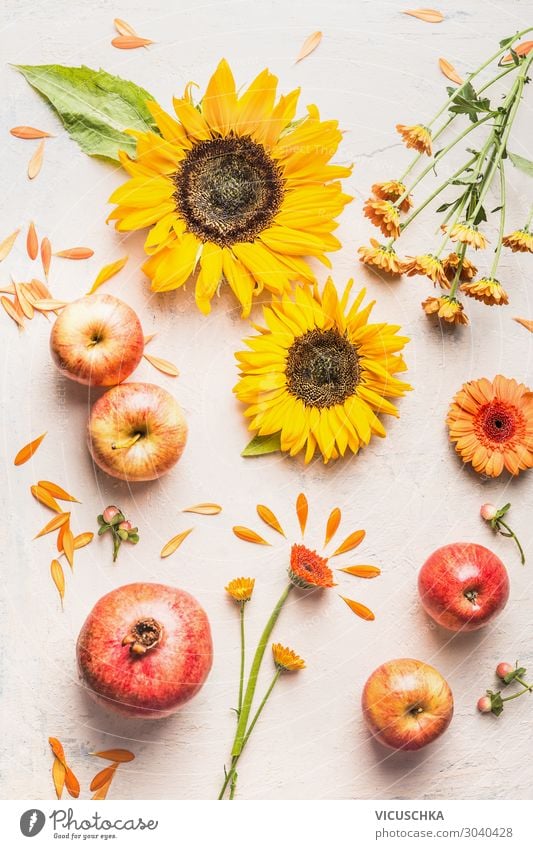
x,y
145,649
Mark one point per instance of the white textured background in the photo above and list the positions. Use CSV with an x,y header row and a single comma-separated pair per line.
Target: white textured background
x,y
374,68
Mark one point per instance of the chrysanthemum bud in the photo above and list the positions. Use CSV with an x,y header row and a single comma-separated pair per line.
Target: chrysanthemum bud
x,y
125,526
109,513
504,669
484,704
488,512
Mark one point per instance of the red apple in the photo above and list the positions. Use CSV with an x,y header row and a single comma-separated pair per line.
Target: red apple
x,y
144,650
407,704
136,432
97,340
463,586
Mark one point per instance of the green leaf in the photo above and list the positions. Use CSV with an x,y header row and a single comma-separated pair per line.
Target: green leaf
x,y
468,102
520,162
505,42
262,445
94,106
496,702
520,672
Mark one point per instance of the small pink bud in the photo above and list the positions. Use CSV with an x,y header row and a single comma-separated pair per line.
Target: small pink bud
x,y
504,669
484,704
488,512
110,513
125,526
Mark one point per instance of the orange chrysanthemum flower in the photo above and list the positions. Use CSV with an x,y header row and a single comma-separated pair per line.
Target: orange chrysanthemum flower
x,y
380,256
241,589
468,234
491,425
519,241
393,190
416,136
488,289
428,265
451,263
446,308
385,215
286,659
308,569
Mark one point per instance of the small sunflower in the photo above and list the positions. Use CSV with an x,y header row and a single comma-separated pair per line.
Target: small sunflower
x,y
236,187
241,589
488,290
416,136
519,241
448,309
381,256
385,215
393,190
318,373
286,659
491,424
450,265
468,234
429,266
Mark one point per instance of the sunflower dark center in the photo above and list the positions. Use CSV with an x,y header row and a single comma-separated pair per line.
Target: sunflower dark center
x,y
228,190
322,368
498,422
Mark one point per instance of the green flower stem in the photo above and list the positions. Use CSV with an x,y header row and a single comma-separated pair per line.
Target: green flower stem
x,y
511,534
528,222
254,672
516,695
498,250
461,251
456,216
243,656
524,685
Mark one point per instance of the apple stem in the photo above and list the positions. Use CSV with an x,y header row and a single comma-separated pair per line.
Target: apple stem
x,y
126,443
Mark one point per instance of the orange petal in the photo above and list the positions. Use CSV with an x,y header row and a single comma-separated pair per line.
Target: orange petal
x,y
83,539
67,539
58,776
266,514
32,242
29,450
58,577
53,525
102,792
45,498
362,571
7,244
57,491
35,163
120,756
525,322
359,609
162,365
311,43
130,42
302,511
449,71
520,50
332,524
46,255
350,542
175,543
204,509
72,784
29,133
249,536
431,16
105,776
75,253
11,310
123,27
57,749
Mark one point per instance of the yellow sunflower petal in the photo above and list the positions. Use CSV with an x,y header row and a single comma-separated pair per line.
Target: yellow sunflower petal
x,y
219,104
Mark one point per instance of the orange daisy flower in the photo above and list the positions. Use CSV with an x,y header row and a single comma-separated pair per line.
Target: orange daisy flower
x,y
491,425
385,215
241,589
416,136
286,659
380,256
519,241
488,289
451,263
428,265
393,190
446,308
469,234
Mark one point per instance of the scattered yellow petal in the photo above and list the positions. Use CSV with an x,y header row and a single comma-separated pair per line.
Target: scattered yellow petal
x,y
49,305
29,450
351,542
359,609
105,776
58,776
83,539
175,543
520,50
149,338
53,525
123,27
32,242
46,255
29,133
302,511
162,365
7,244
45,498
362,571
57,491
332,524
310,44
35,163
525,322
248,535
107,272
266,514
11,310
205,509
102,792
22,300
130,42
58,578
120,756
67,539
75,253
449,71
431,16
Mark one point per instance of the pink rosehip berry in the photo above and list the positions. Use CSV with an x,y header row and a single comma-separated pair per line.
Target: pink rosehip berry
x,y
484,704
488,512
110,513
504,669
125,526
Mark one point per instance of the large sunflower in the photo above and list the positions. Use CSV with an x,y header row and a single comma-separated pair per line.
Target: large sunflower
x,y
236,187
318,373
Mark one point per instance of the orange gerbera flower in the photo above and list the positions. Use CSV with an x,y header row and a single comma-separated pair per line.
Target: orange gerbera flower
x,y
491,425
416,136
451,264
385,215
519,241
308,569
393,190
428,265
286,659
468,234
488,289
449,309
380,256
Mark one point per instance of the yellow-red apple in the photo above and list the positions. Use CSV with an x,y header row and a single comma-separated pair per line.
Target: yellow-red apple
x,y
407,704
97,340
136,431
